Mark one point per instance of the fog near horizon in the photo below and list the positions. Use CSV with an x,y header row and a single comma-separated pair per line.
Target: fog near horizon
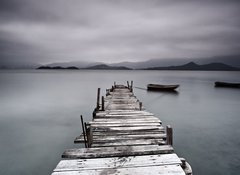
x,y
42,32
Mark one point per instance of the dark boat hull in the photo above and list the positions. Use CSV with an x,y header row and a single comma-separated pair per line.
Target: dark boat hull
x,y
226,84
158,87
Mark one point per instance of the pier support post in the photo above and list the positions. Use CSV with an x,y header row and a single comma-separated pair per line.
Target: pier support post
x,y
103,103
131,86
183,163
107,92
128,84
98,98
87,134
84,133
140,106
114,84
169,135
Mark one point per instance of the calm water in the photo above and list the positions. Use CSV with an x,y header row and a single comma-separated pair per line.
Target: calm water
x,y
39,116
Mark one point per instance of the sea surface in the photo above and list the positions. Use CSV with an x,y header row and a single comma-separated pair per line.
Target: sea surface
x,y
40,109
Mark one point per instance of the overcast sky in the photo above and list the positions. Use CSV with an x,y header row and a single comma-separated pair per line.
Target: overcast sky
x,y
45,31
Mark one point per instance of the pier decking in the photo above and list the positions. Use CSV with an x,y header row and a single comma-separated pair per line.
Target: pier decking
x,y
123,138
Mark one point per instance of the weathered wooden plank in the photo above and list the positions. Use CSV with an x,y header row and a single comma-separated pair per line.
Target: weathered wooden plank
x,y
129,136
106,139
127,129
126,120
80,138
126,114
122,100
112,138
130,132
123,108
95,125
122,112
130,143
118,162
149,170
124,117
134,120
103,152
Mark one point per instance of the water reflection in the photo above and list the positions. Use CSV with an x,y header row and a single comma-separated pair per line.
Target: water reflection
x,y
173,92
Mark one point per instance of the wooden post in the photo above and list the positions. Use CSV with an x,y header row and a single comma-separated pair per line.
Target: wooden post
x,y
90,137
114,84
94,113
107,92
98,98
131,86
87,134
128,84
84,133
102,103
140,106
183,163
169,135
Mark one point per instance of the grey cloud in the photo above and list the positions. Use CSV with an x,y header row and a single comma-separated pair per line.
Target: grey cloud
x,y
70,30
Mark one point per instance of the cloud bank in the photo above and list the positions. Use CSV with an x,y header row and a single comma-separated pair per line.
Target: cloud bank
x,y
46,31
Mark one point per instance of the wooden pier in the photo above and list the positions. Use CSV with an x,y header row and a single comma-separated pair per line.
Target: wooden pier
x,y
123,138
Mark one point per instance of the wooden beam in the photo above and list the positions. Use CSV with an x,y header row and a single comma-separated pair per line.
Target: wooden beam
x,y
169,135
98,98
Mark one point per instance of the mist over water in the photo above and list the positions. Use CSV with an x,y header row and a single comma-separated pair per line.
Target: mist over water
x,y
39,115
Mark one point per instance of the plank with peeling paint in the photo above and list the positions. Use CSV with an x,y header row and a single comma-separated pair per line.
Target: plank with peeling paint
x,y
130,143
118,162
124,119
127,120
127,129
95,125
150,170
103,152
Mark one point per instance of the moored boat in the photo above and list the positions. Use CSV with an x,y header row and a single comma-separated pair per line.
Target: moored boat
x,y
160,87
227,84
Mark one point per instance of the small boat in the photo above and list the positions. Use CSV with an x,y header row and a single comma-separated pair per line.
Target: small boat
x,y
227,84
159,87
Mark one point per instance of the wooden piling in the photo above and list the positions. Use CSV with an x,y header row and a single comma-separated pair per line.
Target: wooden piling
x,y
84,133
98,98
107,92
140,106
169,131
131,86
87,134
128,84
102,103
183,162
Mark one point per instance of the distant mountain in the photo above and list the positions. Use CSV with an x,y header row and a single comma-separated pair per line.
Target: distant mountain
x,y
194,66
232,60
79,64
58,67
151,63
107,67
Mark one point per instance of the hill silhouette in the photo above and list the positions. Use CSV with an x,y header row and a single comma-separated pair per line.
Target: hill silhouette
x,y
194,66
